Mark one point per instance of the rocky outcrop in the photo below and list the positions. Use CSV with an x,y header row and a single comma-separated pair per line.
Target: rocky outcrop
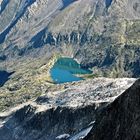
x,y
28,124
69,113
121,119
102,35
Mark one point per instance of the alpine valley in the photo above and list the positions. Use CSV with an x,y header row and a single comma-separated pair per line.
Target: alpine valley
x,y
69,69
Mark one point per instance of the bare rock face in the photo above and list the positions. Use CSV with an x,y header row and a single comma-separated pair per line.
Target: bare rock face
x,y
102,35
87,92
28,124
98,33
68,114
121,119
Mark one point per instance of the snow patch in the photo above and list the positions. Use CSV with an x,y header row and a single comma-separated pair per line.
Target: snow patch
x,y
81,134
64,136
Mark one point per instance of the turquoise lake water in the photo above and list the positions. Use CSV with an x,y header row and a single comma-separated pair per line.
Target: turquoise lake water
x,y
64,70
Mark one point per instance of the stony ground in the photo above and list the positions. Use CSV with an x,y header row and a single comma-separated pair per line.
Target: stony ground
x,y
86,92
120,120
67,110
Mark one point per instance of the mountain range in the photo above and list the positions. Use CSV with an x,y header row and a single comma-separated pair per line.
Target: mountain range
x,y
102,37
100,34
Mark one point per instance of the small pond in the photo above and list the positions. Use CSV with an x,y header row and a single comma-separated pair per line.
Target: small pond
x,y
65,70
4,77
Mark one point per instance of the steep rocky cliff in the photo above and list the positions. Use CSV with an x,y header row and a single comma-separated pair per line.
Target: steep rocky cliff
x,y
103,35
121,119
68,113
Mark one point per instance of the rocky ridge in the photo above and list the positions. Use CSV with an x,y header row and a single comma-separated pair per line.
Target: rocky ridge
x,y
120,120
67,113
102,35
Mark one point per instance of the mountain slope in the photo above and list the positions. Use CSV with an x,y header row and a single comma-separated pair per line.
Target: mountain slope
x,y
100,35
121,119
103,34
65,112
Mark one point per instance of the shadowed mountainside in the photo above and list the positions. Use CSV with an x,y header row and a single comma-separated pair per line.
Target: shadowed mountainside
x,y
121,119
70,112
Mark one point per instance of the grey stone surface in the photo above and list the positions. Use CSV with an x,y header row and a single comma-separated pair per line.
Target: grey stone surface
x,y
121,119
63,112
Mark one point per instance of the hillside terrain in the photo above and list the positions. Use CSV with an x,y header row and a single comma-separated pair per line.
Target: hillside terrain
x,y
68,113
100,38
103,35
121,119
100,34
